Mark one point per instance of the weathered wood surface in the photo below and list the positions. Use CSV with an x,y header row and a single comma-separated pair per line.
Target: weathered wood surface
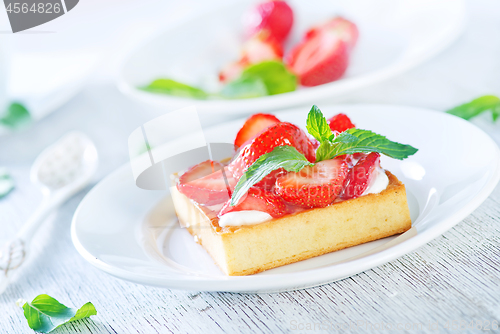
x,y
456,277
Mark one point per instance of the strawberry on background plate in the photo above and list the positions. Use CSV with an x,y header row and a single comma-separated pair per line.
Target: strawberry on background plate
x,y
276,17
207,183
254,126
261,47
360,176
315,186
260,200
323,54
340,123
279,134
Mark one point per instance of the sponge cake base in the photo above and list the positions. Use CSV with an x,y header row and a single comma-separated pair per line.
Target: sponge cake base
x,y
251,249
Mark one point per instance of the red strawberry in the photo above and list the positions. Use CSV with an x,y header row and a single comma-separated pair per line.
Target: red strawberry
x,y
315,186
253,126
257,49
323,54
206,183
200,170
269,181
232,71
276,17
360,176
340,123
260,200
280,134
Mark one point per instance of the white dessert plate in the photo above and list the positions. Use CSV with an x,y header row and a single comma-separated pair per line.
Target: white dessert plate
x,y
132,233
395,35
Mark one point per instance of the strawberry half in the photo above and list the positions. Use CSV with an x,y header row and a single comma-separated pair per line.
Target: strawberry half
x,y
206,183
260,200
276,17
280,134
323,54
340,123
253,126
259,48
360,176
315,186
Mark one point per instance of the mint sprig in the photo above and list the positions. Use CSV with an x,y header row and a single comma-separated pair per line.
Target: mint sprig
x,y
477,107
317,126
348,142
45,313
286,157
6,182
351,141
175,88
274,75
16,116
362,141
244,88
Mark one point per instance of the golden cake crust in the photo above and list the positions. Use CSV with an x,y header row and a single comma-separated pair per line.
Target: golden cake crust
x,y
251,249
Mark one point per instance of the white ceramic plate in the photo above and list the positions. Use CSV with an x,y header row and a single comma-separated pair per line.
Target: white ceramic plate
x,y
132,233
395,35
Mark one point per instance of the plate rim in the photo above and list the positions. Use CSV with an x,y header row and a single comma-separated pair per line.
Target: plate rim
x,y
284,100
301,279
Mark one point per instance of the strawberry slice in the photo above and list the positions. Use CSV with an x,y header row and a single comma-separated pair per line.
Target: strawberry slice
x,y
200,170
207,184
323,54
276,17
253,126
260,200
315,186
360,176
259,48
340,123
279,134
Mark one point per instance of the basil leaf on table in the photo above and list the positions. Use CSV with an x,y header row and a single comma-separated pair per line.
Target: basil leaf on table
x,y
175,88
245,87
477,107
45,313
15,116
274,75
286,157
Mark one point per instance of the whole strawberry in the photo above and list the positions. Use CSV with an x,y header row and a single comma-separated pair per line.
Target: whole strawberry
x,y
280,134
323,55
275,17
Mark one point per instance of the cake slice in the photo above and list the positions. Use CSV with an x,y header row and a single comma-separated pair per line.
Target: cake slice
x,y
282,200
246,250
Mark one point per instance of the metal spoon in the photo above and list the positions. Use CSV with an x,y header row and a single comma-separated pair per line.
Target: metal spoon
x,y
61,170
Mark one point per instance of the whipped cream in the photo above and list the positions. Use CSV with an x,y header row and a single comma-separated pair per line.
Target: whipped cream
x,y
378,183
242,218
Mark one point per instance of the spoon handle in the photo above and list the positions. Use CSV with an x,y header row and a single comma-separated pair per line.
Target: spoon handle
x,y
15,252
36,219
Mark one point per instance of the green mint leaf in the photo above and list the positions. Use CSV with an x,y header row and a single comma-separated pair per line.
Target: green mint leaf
x,y
317,125
6,182
16,116
244,88
45,313
286,157
362,141
478,106
174,88
495,112
274,75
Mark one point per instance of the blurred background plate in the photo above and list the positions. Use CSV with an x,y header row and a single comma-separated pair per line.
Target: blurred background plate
x,y
395,35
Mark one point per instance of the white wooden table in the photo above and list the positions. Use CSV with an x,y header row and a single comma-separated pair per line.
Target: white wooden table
x,y
450,282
